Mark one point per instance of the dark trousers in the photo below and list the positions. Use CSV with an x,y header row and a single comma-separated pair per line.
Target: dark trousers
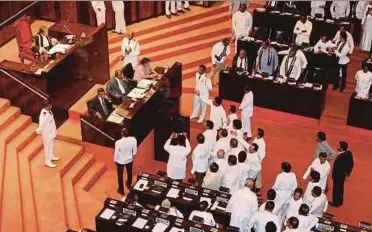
x,y
199,176
338,191
343,68
120,170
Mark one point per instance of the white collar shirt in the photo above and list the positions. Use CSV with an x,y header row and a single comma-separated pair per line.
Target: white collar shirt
x,y
364,81
125,150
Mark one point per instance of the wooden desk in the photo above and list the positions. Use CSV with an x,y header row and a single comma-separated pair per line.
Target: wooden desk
x,y
68,77
143,117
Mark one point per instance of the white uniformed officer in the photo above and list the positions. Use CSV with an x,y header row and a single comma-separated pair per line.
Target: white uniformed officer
x,y
47,129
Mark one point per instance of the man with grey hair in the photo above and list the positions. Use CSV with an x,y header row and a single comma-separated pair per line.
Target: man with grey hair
x,y
242,205
166,207
222,166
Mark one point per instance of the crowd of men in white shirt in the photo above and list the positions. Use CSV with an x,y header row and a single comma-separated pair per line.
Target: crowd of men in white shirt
x,y
294,63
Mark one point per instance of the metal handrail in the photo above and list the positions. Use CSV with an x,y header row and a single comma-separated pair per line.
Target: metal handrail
x,y
17,14
100,131
26,83
20,82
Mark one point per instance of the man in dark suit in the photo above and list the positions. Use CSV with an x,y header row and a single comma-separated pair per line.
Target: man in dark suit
x,y
118,87
342,168
100,106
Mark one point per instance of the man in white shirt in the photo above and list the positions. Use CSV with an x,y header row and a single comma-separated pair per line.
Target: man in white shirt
x,y
317,7
364,81
203,86
125,150
320,202
314,181
219,53
260,219
290,67
211,179
118,7
292,225
130,49
350,39
166,207
240,61
230,118
271,195
243,167
241,24
322,166
303,29
235,6
292,207
231,177
217,113
48,131
210,135
207,217
323,45
223,142
285,183
253,159
246,107
170,8
242,206
259,140
200,159
306,221
342,51
222,166
100,10
300,55
340,9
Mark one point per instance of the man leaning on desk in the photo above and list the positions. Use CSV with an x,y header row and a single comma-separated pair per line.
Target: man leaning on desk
x,y
118,87
42,42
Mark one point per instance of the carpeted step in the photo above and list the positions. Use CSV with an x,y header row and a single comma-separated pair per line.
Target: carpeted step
x,y
47,186
26,186
4,104
176,21
11,198
70,178
8,115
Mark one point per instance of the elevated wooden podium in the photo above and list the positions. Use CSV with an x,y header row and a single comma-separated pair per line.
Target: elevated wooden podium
x,y
64,78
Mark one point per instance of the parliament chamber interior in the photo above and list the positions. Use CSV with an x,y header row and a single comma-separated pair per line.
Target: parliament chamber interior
x,y
90,88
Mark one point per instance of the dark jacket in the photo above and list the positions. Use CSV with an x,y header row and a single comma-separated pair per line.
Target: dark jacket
x,y
343,165
113,87
94,105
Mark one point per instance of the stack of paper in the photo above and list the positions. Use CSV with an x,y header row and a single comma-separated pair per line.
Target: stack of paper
x,y
145,83
139,183
62,48
159,227
137,93
140,223
107,214
115,118
173,193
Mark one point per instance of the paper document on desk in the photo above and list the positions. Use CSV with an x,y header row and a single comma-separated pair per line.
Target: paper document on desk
x,y
145,83
62,48
115,118
140,223
107,214
159,227
139,183
137,93
173,193
175,229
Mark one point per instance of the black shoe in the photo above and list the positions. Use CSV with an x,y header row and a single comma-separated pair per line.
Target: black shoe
x,y
174,14
342,89
188,9
120,192
181,11
129,186
168,16
333,204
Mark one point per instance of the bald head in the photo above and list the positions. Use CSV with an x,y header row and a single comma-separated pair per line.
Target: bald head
x,y
249,183
221,154
130,34
166,204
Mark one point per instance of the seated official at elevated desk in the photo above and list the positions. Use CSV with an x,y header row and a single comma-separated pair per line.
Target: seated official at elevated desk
x,y
152,190
118,216
137,110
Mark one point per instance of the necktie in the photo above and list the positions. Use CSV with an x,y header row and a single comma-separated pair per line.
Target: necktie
x,y
121,87
104,106
199,77
241,63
